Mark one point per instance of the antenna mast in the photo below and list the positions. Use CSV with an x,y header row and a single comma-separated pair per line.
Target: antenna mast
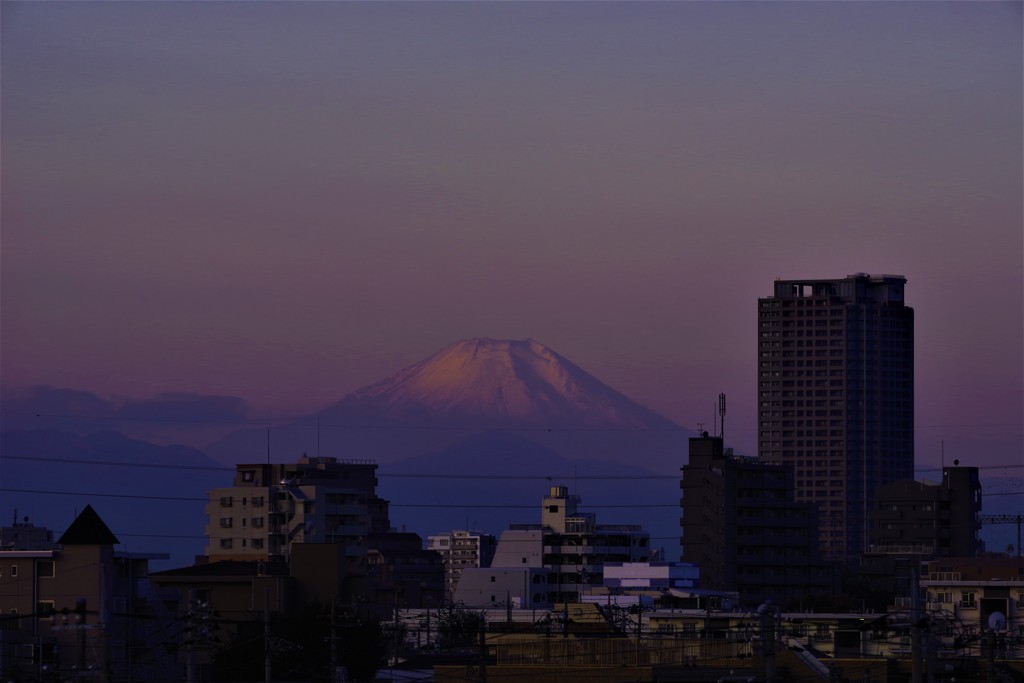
x,y
721,419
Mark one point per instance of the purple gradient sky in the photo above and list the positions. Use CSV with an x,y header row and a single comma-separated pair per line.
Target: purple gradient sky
x,y
287,201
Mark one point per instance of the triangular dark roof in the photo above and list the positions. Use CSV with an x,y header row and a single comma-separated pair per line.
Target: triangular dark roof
x,y
88,529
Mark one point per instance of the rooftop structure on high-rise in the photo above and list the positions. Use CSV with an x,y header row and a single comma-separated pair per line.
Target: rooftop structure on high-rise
x,y
836,395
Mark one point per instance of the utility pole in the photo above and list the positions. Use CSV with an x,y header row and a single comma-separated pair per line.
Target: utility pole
x,y
190,637
916,672
80,637
266,635
334,646
767,613
483,653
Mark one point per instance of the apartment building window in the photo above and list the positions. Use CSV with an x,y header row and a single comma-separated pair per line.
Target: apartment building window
x,y
257,501
257,522
257,543
225,543
225,522
248,475
225,501
14,570
45,609
45,569
967,599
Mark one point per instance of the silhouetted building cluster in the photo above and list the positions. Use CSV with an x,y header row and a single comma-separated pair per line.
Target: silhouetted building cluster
x,y
741,525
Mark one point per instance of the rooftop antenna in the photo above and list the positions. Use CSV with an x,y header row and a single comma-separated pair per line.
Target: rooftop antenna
x,y
721,412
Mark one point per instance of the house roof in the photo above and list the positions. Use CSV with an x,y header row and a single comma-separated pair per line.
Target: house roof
x,y
224,568
88,529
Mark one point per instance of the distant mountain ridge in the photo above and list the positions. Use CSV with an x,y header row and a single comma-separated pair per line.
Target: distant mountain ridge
x,y
469,387
498,383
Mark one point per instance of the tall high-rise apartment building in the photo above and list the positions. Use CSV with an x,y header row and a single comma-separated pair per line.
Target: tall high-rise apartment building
x,y
836,395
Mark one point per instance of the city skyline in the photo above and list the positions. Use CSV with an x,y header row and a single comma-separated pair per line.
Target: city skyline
x,y
287,202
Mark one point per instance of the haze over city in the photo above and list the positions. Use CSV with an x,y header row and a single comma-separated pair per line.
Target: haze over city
x,y
284,202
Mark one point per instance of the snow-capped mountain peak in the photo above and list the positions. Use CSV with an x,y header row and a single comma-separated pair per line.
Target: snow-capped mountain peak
x,y
500,382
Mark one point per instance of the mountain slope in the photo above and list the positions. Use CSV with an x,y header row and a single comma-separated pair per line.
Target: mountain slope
x,y
470,387
499,383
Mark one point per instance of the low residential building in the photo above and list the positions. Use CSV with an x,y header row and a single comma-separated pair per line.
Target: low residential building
x,y
524,587
983,598
402,573
24,535
81,605
460,549
651,575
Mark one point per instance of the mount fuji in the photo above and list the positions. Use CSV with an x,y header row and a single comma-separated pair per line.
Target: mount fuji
x,y
498,383
469,387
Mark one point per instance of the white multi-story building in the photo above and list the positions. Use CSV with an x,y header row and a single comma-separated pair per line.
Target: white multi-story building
x,y
569,545
460,549
273,505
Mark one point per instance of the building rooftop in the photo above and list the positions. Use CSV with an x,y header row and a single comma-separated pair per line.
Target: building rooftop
x,y
88,529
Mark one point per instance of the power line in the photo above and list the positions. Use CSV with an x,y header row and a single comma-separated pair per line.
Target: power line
x,y
316,422
411,475
490,505
98,495
394,475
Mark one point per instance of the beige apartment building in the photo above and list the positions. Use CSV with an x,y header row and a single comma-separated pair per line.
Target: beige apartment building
x,y
460,549
273,506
